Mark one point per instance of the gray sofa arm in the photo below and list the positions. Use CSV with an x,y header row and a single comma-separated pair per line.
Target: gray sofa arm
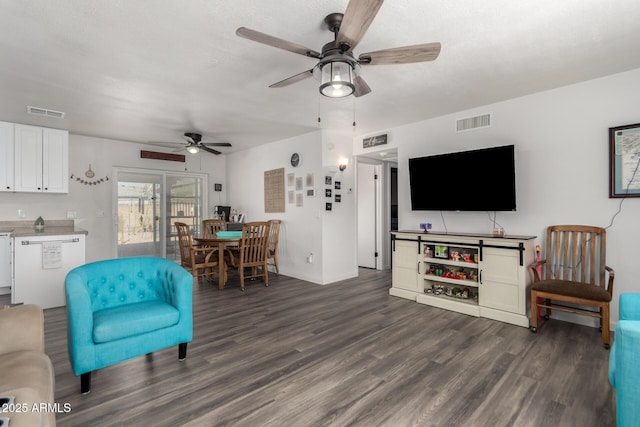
x,y
21,328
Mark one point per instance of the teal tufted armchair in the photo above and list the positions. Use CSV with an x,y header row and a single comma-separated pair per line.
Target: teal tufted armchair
x,y
123,308
624,374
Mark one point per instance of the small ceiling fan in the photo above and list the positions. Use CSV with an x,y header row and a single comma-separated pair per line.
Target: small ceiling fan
x,y
337,69
194,144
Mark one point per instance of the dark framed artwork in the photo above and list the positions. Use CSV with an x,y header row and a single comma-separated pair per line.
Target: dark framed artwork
x,y
327,206
327,192
624,161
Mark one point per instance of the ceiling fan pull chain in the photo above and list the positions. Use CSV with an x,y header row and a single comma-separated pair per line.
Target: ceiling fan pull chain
x,y
354,113
319,120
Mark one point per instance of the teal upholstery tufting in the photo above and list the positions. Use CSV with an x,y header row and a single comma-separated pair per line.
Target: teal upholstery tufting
x,y
127,307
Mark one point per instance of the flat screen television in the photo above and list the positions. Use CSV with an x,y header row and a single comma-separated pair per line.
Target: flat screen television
x,y
476,180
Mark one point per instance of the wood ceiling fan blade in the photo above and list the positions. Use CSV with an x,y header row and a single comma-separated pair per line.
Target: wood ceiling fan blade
x,y
362,88
263,38
210,150
402,55
293,79
356,21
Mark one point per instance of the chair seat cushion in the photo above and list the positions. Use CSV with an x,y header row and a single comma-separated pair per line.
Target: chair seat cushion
x,y
572,289
132,319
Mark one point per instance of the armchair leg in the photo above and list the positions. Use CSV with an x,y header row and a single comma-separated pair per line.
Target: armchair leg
x,y
85,383
182,351
606,339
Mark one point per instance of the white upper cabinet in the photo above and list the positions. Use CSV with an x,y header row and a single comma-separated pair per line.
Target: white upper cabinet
x,y
41,159
6,157
55,160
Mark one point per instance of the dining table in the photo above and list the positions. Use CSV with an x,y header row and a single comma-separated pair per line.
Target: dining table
x,y
222,240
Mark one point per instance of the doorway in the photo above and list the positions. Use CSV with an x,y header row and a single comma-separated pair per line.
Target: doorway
x,y
368,216
377,207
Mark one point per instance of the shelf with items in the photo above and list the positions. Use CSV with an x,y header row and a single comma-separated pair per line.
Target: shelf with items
x,y
460,292
452,252
454,274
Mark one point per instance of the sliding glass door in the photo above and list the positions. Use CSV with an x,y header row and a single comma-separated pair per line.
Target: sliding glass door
x,y
139,210
148,203
185,203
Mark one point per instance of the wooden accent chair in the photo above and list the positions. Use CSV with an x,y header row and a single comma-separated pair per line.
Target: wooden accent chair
x,y
274,236
574,273
252,252
211,226
199,260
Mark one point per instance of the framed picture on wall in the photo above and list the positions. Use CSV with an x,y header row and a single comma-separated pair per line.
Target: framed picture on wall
x,y
624,161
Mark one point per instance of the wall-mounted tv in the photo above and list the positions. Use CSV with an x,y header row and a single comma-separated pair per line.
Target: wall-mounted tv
x,y
476,180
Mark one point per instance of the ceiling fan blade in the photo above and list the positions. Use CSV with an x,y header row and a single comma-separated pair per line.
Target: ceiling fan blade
x,y
263,38
210,150
216,144
362,88
402,55
293,79
165,144
356,21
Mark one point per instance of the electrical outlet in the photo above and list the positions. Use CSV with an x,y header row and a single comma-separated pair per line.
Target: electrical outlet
x,y
100,214
72,214
22,213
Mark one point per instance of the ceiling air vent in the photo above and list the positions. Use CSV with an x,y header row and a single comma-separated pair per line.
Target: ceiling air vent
x,y
471,123
45,112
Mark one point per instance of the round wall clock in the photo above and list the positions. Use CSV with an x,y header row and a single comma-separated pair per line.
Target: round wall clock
x,y
296,159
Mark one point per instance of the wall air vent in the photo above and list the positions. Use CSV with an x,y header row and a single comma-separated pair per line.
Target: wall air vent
x,y
45,112
471,123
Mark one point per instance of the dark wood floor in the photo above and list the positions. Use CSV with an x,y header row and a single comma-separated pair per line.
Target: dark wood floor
x,y
298,354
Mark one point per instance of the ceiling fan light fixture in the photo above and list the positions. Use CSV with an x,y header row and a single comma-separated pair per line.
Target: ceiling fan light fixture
x,y
336,79
193,149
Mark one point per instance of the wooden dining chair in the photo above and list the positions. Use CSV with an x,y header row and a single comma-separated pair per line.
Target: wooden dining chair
x,y
252,252
272,245
574,276
199,260
211,226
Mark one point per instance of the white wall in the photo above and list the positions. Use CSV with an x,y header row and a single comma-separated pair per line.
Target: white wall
x,y
307,229
562,166
89,200
339,227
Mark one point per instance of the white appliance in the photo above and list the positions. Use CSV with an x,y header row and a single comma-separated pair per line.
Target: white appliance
x,y
5,263
40,265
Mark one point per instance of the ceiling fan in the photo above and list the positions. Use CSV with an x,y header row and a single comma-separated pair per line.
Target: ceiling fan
x,y
194,144
337,69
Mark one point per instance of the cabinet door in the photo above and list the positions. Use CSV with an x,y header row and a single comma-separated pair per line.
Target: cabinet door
x,y
405,265
6,157
28,158
55,160
502,281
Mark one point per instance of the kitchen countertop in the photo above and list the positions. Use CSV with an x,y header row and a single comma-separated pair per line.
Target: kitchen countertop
x,y
51,228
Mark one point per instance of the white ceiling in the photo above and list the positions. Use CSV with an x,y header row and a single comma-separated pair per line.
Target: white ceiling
x,y
143,71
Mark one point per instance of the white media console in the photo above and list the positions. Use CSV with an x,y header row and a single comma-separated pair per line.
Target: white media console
x,y
475,274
